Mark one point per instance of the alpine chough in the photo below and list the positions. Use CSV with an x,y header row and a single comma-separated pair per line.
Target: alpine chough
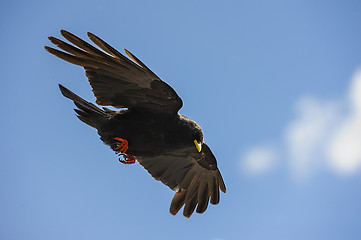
x,y
148,128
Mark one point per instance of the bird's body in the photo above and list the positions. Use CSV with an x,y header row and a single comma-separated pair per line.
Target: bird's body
x,y
169,145
148,134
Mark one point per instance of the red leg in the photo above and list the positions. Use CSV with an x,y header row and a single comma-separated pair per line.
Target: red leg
x,y
122,147
129,159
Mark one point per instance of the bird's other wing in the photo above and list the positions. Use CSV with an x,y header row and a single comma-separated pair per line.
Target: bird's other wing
x,y
116,80
194,175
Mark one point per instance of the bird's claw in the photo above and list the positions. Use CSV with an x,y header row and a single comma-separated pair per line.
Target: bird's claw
x,y
122,145
127,158
121,148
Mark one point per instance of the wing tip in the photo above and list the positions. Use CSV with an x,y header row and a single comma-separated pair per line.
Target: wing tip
x,y
91,35
66,92
177,202
190,207
54,40
222,186
49,49
130,55
64,32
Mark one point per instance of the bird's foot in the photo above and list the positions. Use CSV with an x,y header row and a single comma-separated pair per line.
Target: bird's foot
x,y
122,145
127,159
121,148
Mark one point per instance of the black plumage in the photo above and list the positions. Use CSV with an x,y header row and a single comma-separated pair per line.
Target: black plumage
x,y
149,128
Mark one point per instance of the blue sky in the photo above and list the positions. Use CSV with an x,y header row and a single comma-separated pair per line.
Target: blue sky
x,y
275,86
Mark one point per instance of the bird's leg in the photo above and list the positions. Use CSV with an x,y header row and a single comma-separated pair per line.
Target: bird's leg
x,y
128,159
122,145
121,148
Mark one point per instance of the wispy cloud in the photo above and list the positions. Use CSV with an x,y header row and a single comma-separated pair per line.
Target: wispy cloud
x,y
306,137
344,149
259,160
324,133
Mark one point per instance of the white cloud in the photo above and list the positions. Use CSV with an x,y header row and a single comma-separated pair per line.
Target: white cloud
x,y
344,150
307,135
323,134
259,160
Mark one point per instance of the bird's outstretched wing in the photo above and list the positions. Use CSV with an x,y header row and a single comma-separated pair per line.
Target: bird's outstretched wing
x,y
115,79
194,175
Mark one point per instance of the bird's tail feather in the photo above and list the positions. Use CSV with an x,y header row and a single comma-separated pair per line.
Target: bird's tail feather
x,y
86,112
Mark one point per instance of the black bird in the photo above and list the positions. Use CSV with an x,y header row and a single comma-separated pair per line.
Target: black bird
x,y
149,128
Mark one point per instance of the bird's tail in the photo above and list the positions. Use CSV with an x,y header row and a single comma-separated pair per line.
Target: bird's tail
x,y
86,112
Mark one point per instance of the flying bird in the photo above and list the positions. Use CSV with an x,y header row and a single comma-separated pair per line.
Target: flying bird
x,y
148,127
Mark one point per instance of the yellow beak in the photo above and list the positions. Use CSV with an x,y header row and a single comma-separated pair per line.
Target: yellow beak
x,y
198,145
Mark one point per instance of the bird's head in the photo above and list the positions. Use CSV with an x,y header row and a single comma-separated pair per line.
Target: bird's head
x,y
198,137
193,130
